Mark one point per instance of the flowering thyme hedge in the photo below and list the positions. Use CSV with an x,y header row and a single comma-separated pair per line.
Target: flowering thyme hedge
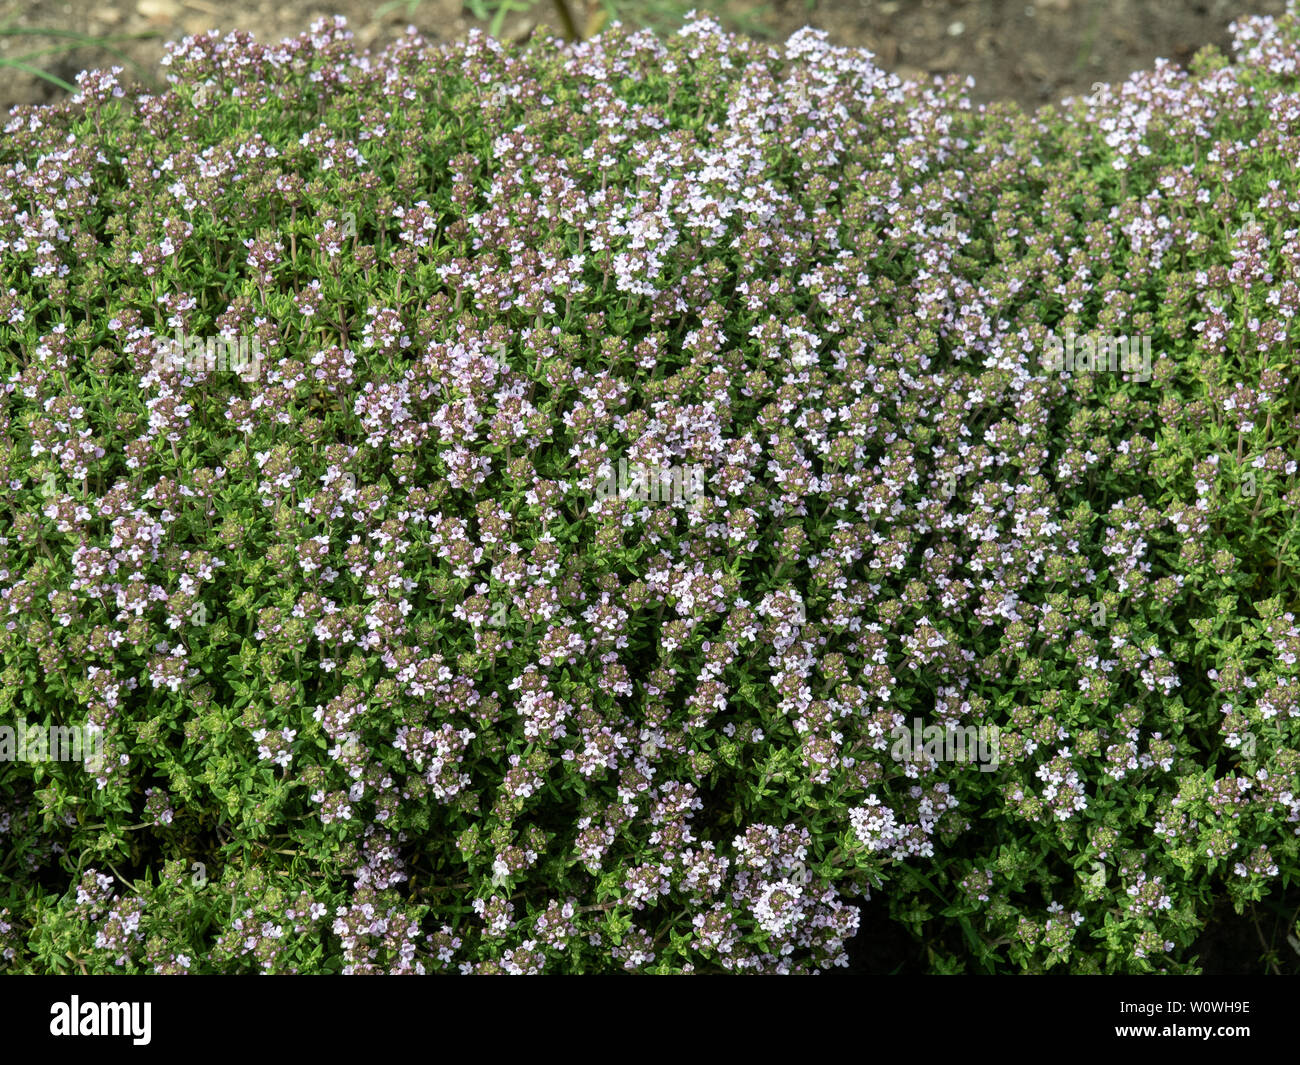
x,y
384,682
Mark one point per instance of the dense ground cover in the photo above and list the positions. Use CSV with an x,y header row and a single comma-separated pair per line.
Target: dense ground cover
x,y
393,673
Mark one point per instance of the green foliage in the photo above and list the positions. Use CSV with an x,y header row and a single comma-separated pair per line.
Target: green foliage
x,y
386,683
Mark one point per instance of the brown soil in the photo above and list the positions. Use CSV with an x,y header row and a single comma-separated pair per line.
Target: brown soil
x,y
1032,51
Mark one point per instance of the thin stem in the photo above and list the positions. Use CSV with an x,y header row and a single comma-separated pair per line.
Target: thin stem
x,y
566,17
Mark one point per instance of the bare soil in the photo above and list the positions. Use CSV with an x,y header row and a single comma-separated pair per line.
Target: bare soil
x,y
1032,51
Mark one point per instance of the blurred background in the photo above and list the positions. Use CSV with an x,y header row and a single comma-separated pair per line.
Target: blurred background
x,y
1032,51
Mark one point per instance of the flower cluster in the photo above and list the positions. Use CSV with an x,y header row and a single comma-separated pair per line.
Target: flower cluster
x,y
390,679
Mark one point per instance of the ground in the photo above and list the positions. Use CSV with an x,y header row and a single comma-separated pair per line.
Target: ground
x,y
1033,52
